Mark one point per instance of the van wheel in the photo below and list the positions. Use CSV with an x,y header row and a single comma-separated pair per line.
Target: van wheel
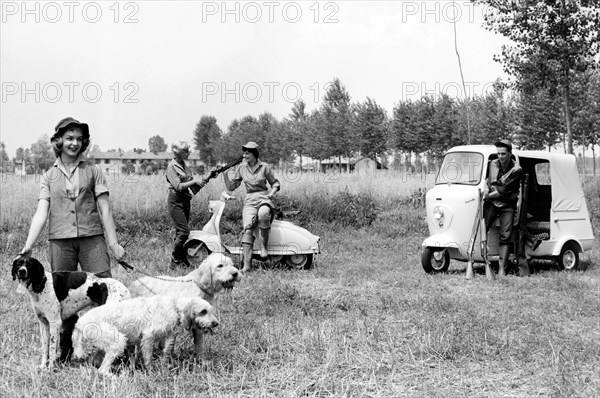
x,y
568,259
196,252
435,260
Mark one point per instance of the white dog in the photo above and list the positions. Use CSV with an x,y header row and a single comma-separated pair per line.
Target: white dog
x,y
214,274
140,321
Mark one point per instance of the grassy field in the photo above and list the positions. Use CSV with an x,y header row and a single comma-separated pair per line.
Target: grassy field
x,y
367,321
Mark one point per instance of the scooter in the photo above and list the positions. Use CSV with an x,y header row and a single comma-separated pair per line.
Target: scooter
x,y
288,245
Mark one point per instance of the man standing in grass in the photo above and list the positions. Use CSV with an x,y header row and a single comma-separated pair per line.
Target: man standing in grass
x,y
502,196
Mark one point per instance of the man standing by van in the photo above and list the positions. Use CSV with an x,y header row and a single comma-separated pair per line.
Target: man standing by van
x,y
501,198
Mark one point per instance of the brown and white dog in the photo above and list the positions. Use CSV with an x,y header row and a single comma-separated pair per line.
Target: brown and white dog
x,y
214,274
140,321
57,296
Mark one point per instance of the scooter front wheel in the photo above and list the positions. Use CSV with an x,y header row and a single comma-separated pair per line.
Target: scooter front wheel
x,y
196,252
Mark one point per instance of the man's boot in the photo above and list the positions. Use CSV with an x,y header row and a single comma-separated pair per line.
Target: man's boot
x,y
504,254
247,253
264,240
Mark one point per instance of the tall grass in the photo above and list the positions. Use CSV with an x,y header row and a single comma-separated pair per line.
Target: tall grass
x,y
366,322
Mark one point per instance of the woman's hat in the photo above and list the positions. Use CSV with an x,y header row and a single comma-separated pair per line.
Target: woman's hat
x,y
179,146
69,121
251,145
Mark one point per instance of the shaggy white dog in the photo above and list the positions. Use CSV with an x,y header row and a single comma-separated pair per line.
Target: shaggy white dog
x,y
140,321
214,274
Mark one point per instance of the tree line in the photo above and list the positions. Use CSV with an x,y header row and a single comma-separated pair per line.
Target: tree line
x,y
532,119
552,98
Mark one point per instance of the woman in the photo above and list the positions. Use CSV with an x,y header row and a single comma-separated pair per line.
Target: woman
x,y
257,203
74,199
182,187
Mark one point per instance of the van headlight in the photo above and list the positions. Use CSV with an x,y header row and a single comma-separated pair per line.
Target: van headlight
x,y
438,215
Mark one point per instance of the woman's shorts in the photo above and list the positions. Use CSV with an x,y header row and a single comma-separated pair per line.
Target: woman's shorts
x,y
90,252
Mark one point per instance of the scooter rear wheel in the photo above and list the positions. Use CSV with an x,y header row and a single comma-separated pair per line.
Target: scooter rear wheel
x,y
300,261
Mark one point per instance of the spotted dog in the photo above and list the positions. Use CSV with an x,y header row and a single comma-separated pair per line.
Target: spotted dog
x,y
57,296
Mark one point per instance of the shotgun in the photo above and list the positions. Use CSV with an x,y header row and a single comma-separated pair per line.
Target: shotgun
x,y
194,189
489,274
521,243
476,225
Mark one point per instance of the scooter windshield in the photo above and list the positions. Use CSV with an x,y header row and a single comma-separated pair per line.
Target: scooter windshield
x,y
460,168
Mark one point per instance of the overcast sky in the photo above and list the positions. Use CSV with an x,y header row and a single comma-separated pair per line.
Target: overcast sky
x,y
133,70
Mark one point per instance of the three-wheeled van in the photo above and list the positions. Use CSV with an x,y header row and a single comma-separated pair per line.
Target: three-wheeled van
x,y
551,204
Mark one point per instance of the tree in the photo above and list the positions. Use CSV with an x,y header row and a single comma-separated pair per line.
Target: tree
x,y
20,155
238,133
128,168
411,129
157,144
552,40
42,154
336,119
298,126
4,159
315,140
586,119
371,125
276,145
538,119
207,139
445,130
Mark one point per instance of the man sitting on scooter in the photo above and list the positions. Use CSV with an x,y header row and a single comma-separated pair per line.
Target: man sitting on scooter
x,y
257,203
503,183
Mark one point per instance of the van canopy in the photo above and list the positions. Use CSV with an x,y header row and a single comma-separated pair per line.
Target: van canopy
x,y
567,192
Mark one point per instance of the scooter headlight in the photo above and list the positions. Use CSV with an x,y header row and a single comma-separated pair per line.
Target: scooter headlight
x,y
438,215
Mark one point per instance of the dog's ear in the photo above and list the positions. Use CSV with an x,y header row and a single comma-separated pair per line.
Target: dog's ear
x,y
37,275
206,274
188,316
17,263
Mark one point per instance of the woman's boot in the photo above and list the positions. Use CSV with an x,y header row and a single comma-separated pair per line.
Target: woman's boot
x,y
264,240
247,253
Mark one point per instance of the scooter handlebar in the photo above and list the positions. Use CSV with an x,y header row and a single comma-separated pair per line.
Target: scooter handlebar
x,y
225,196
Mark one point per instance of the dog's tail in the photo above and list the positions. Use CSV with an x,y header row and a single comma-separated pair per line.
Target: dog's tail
x,y
77,337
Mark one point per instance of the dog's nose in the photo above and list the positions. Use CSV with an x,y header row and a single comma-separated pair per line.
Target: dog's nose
x,y
214,324
22,272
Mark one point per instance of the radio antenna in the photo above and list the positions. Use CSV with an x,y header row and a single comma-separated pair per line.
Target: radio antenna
x,y
461,74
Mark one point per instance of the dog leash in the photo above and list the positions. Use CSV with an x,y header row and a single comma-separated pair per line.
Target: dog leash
x,y
130,270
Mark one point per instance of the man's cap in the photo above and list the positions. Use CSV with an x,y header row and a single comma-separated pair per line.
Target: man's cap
x,y
62,126
504,144
250,145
